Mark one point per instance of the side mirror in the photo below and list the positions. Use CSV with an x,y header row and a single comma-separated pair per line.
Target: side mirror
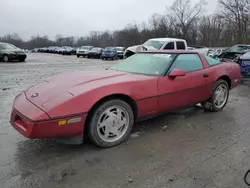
x,y
176,73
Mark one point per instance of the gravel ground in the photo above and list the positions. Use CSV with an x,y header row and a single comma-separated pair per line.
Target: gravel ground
x,y
184,149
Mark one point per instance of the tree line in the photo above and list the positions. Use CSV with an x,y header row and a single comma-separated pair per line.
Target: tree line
x,y
185,19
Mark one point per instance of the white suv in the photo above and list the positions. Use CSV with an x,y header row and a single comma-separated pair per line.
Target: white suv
x,y
83,51
157,44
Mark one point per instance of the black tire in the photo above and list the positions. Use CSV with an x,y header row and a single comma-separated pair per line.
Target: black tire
x,y
6,58
21,60
209,105
78,56
92,126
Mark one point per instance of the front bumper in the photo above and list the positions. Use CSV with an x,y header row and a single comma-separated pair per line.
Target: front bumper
x,y
32,122
17,56
120,55
82,53
109,55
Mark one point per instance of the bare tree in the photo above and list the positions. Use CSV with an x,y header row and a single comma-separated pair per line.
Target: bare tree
x,y
186,14
236,14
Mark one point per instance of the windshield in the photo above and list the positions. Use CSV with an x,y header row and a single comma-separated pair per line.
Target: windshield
x,y
8,47
95,49
143,63
109,49
119,48
239,49
154,43
86,47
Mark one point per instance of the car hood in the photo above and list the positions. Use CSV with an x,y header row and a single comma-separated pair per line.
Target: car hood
x,y
245,56
138,48
66,86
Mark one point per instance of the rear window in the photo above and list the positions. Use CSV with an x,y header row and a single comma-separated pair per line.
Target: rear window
x,y
212,61
180,45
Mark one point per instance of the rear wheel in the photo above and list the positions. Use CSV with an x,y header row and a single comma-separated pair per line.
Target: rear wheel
x,y
111,123
219,97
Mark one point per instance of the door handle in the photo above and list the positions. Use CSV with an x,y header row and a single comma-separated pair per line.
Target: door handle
x,y
205,75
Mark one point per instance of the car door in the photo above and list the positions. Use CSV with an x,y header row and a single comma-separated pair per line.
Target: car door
x,y
185,90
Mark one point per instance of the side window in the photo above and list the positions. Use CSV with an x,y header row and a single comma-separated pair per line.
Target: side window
x,y
212,61
180,45
169,46
187,62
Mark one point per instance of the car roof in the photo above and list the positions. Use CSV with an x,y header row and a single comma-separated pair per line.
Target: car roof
x,y
171,51
167,39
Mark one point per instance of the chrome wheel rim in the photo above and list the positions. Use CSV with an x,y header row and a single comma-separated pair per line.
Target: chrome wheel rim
x,y
221,95
5,58
113,124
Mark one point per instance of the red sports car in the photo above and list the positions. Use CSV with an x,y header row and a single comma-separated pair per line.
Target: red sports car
x,y
105,104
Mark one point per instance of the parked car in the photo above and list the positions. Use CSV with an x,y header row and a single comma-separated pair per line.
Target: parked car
x,y
234,52
120,51
35,50
109,53
105,104
83,51
9,52
52,49
68,51
157,44
244,62
44,49
60,50
95,52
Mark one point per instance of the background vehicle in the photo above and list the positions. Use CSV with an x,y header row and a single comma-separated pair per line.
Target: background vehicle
x,y
95,52
9,52
157,44
109,53
120,51
141,86
68,51
244,62
234,52
52,49
83,51
61,49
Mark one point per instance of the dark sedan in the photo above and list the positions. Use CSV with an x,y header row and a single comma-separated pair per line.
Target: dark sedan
x,y
95,52
9,52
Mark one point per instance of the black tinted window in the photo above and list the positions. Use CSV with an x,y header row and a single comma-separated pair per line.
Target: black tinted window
x,y
169,46
180,45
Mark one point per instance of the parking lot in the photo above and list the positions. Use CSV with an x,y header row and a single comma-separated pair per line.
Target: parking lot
x,y
189,148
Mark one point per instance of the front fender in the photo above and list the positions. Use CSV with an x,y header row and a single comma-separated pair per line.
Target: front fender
x,y
83,101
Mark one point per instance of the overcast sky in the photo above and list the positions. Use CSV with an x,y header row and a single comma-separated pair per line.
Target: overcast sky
x,y
76,17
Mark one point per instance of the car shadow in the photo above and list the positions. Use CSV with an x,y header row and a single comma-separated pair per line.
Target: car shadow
x,y
38,154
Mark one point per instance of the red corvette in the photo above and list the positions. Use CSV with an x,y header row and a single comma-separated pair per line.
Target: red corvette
x,y
106,104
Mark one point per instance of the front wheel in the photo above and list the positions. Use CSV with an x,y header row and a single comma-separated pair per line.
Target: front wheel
x,y
111,123
219,97
6,58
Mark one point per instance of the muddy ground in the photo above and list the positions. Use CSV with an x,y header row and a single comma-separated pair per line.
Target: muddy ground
x,y
185,149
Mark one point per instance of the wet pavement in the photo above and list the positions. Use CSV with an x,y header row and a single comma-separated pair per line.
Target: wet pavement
x,y
184,149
